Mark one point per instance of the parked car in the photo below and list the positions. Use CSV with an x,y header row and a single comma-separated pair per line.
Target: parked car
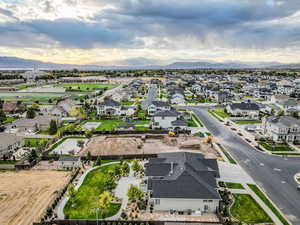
x,y
232,128
240,134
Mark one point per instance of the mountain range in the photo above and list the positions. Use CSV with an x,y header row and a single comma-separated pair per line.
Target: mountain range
x,y
139,63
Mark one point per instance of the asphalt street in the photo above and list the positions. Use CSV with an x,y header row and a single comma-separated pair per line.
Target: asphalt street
x,y
275,175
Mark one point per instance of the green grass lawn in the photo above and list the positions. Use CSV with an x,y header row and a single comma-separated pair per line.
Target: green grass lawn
x,y
87,197
261,195
247,210
36,142
228,156
234,185
211,112
220,112
208,134
11,162
8,120
275,148
28,97
191,123
196,118
248,121
111,125
86,87
287,154
127,103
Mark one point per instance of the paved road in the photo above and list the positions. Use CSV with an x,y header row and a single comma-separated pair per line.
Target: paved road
x,y
273,174
151,96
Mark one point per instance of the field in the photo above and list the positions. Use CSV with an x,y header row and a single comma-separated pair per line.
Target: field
x,y
246,209
30,97
86,87
96,182
25,195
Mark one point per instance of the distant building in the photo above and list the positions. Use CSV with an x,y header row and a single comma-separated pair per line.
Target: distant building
x,y
244,109
281,129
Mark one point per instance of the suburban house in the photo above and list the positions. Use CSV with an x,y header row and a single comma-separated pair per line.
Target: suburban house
x,y
169,119
63,108
289,104
157,106
177,99
69,162
281,129
243,109
113,108
10,142
183,183
38,123
13,107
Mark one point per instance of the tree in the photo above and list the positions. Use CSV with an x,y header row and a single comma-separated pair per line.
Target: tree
x,y
88,134
80,143
134,193
295,114
2,116
136,167
125,169
105,200
98,161
280,113
53,127
30,113
32,156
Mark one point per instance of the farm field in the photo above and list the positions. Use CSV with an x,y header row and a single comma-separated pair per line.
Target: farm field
x,y
25,195
85,87
28,97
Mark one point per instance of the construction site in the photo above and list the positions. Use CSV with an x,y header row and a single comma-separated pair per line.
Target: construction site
x,y
148,144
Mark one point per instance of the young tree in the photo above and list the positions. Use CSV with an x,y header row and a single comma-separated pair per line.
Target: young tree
x,y
53,127
125,169
136,167
71,192
30,113
134,193
105,200
80,143
32,156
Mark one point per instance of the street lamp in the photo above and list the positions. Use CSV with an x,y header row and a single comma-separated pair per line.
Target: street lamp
x,y
97,211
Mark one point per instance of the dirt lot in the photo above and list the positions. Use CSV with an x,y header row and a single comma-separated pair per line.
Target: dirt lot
x,y
120,145
25,195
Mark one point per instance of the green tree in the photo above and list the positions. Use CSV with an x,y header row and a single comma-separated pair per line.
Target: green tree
x,y
32,156
71,192
53,127
136,167
280,113
295,114
30,113
2,116
105,200
125,169
80,143
134,193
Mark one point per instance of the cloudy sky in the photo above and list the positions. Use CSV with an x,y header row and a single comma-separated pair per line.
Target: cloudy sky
x,y
150,31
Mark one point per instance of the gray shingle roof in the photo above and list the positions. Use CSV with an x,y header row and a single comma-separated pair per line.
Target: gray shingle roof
x,y
167,113
192,176
286,121
244,106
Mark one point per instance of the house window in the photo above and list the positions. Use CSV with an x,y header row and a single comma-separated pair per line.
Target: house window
x,y
157,201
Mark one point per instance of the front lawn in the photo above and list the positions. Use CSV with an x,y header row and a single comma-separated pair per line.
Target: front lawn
x,y
221,113
246,210
261,195
234,185
211,112
127,103
95,183
8,120
197,120
108,125
248,122
228,156
277,148
191,123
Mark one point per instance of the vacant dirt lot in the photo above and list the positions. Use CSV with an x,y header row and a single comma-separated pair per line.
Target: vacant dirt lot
x,y
24,195
122,145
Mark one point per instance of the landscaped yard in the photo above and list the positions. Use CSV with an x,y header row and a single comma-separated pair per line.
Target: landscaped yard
x,y
234,185
191,123
246,209
248,122
95,183
277,148
111,125
54,146
36,142
127,103
220,112
261,195
86,87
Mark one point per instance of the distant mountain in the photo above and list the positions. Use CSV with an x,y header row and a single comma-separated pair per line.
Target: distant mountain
x,y
286,66
137,63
